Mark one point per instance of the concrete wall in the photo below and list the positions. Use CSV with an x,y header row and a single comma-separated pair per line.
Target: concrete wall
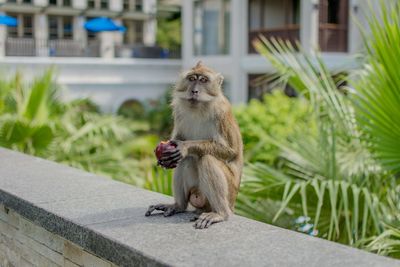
x,y
61,216
107,82
23,244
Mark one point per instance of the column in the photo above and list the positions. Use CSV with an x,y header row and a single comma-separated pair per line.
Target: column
x,y
79,32
309,24
150,24
106,44
118,39
238,33
3,37
41,34
187,33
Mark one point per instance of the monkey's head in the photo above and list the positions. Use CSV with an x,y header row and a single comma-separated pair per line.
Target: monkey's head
x,y
199,85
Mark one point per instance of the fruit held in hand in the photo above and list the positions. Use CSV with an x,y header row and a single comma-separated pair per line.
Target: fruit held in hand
x,y
163,147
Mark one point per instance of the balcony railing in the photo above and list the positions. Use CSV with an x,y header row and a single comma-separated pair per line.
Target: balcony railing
x,y
54,48
333,37
142,51
290,33
20,47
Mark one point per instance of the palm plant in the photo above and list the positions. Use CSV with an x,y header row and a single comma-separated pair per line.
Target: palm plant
x,y
377,94
33,121
342,176
25,123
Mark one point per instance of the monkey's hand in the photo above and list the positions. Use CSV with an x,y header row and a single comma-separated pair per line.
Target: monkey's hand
x,y
181,147
169,159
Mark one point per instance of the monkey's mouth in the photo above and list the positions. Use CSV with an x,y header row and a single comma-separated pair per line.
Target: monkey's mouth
x,y
193,100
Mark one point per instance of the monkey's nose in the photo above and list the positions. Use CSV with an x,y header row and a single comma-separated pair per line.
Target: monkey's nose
x,y
195,92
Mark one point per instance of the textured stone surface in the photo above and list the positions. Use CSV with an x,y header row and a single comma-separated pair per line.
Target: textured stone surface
x,y
106,218
23,243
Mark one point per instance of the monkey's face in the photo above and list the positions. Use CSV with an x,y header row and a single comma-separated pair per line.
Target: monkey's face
x,y
200,85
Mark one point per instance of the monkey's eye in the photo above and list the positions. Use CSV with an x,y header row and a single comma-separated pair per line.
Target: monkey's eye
x,y
192,78
203,80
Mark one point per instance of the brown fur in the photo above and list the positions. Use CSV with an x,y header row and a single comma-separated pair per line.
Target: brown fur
x,y
210,143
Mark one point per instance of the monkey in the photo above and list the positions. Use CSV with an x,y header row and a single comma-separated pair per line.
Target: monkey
x,y
208,155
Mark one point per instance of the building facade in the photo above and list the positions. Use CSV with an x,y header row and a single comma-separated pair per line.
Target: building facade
x,y
55,28
108,67
220,33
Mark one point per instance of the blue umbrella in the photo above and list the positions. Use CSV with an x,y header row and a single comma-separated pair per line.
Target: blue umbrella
x,y
8,21
102,24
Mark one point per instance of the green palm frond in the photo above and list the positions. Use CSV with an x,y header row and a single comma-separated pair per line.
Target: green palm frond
x,y
377,89
387,243
340,210
331,176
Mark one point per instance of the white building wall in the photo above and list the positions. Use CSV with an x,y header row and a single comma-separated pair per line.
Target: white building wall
x,y
41,2
116,5
79,4
107,82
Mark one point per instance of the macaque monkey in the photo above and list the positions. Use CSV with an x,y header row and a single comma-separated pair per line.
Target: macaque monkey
x,y
209,151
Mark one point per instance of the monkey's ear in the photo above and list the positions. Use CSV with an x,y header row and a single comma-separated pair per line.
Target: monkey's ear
x,y
220,79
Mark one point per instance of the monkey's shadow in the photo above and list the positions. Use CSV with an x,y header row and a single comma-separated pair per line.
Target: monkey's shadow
x,y
134,215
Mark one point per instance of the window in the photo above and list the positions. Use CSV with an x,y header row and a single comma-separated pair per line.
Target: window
x,y
13,31
211,27
91,3
24,28
273,19
333,11
27,26
90,35
60,27
138,31
139,5
20,1
67,27
60,2
265,14
333,25
53,27
132,5
126,5
104,4
134,32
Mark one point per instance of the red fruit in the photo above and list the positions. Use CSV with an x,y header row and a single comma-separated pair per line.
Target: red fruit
x,y
164,146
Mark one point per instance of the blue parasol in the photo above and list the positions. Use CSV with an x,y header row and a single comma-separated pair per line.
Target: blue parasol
x,y
8,21
102,24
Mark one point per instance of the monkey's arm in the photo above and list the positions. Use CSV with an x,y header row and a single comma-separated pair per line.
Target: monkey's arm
x,y
206,147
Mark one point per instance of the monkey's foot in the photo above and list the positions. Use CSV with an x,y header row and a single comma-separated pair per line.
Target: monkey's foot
x,y
205,219
168,209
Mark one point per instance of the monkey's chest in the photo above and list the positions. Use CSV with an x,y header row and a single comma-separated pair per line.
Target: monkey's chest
x,y
196,129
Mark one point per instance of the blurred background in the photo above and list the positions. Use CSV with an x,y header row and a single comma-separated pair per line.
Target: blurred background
x,y
314,85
